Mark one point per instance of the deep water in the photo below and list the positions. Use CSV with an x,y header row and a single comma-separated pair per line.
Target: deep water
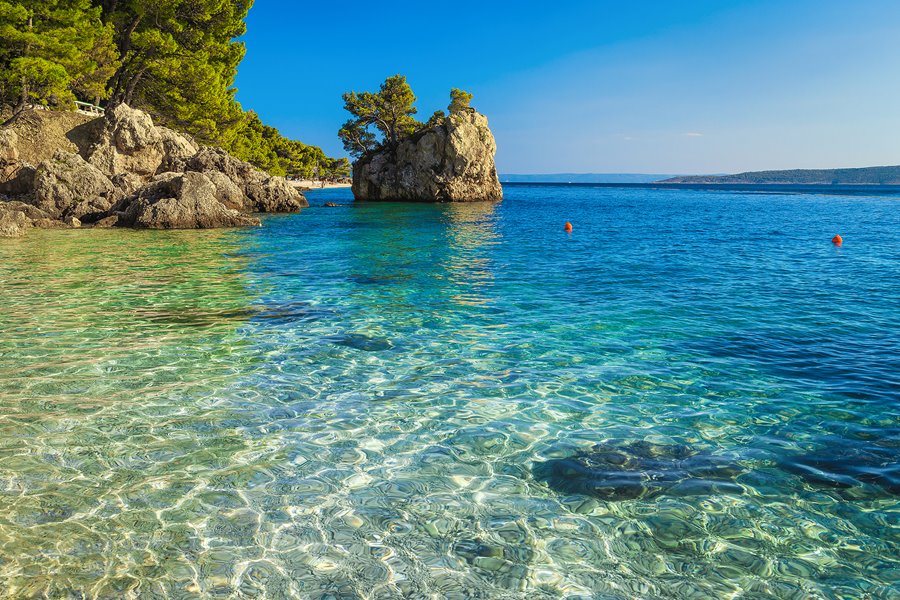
x,y
692,395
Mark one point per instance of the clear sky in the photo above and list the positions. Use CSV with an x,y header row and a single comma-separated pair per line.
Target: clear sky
x,y
696,86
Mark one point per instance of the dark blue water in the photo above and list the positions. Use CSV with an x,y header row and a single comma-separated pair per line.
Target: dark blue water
x,y
692,395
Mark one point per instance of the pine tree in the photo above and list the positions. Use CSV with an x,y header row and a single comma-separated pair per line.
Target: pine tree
x,y
179,59
52,51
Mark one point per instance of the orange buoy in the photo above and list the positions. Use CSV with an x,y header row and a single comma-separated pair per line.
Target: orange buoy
x,y
568,226
837,240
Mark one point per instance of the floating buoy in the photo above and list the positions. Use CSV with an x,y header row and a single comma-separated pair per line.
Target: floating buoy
x,y
568,226
837,240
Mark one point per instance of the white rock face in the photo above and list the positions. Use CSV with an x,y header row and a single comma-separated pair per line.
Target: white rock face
x,y
130,143
449,162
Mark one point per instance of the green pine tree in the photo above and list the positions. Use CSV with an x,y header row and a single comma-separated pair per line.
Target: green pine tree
x,y
53,51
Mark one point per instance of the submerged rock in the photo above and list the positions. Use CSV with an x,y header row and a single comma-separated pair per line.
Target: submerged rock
x,y
359,341
451,161
638,469
857,467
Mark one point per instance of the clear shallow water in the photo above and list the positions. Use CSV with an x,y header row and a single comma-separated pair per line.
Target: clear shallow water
x,y
350,403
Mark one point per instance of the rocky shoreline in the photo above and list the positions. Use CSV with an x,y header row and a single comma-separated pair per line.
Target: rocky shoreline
x,y
128,172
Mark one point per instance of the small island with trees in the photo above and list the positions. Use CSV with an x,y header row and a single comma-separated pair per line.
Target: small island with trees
x,y
449,158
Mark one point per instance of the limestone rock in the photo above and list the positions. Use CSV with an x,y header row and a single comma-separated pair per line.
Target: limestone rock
x,y
262,193
177,149
452,161
13,223
130,143
227,192
67,185
179,201
9,146
16,179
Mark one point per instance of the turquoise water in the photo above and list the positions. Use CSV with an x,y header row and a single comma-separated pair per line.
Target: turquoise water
x,y
693,395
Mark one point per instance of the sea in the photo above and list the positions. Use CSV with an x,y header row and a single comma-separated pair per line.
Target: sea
x,y
692,394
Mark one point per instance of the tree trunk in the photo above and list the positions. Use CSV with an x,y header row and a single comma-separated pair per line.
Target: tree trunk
x,y
132,85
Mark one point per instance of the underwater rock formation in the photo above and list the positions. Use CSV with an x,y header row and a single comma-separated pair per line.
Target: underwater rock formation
x,y
639,469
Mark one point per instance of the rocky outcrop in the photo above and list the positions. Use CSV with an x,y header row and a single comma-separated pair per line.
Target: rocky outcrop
x,y
15,176
13,223
69,186
262,193
131,143
132,173
179,201
450,161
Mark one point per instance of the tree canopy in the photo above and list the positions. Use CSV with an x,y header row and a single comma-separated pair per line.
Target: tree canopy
x,y
176,59
384,118
52,51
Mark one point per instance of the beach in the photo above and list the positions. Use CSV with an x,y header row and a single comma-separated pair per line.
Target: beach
x,y
310,184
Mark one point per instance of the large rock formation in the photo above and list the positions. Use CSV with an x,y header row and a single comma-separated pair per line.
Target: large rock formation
x,y
69,186
261,192
451,161
179,201
128,172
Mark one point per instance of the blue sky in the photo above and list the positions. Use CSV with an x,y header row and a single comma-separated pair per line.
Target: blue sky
x,y
601,86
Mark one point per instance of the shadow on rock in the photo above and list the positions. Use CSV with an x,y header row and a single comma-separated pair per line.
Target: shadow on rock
x,y
639,469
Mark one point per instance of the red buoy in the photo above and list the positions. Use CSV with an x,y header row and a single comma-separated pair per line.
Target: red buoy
x,y
837,240
568,226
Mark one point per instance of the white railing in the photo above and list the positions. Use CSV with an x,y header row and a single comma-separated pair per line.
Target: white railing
x,y
89,109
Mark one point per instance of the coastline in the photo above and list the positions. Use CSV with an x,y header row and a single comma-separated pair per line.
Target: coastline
x,y
304,185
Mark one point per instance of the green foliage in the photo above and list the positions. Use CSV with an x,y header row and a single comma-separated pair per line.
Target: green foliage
x,y
390,111
176,59
179,59
53,51
459,101
264,147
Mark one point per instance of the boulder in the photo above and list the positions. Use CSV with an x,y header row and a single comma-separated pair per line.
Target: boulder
x,y
16,179
179,201
450,161
67,185
272,195
9,146
227,192
130,143
262,193
32,213
176,150
13,223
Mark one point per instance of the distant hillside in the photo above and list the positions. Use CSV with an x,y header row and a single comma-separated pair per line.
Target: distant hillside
x,y
583,178
864,176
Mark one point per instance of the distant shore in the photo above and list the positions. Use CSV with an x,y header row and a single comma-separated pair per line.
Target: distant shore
x,y
770,188
308,184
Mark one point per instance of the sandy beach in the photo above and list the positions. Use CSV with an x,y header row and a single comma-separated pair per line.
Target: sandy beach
x,y
308,184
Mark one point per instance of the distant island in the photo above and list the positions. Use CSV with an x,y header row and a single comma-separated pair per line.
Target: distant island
x,y
861,176
584,178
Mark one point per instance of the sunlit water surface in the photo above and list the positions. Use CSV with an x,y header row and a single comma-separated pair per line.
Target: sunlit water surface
x,y
350,402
